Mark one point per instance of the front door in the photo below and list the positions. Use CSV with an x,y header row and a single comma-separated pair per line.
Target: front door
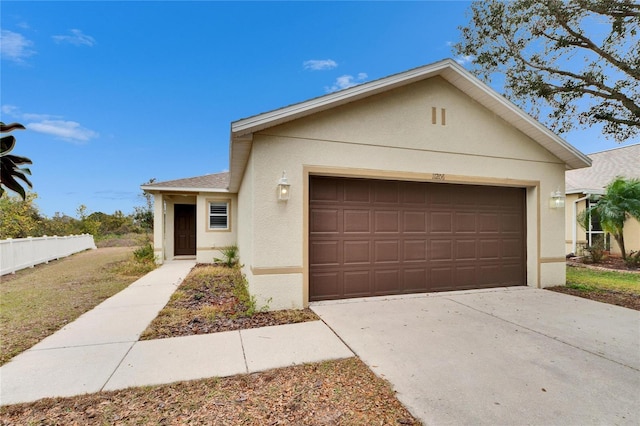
x,y
185,230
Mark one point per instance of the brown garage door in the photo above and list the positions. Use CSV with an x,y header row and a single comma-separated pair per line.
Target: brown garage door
x,y
374,237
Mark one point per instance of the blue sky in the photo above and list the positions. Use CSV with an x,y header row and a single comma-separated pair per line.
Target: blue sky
x,y
116,93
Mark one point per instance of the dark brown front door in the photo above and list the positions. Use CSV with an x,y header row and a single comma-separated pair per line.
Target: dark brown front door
x,y
185,229
373,237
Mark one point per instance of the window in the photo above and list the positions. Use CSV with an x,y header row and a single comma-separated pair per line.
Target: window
x,y
219,215
595,233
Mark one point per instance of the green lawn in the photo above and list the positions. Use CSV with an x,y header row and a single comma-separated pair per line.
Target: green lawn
x,y
588,279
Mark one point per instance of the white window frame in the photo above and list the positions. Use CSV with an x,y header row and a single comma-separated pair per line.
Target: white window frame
x,y
226,215
590,233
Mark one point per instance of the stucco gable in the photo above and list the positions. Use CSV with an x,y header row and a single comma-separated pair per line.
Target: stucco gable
x,y
242,130
429,115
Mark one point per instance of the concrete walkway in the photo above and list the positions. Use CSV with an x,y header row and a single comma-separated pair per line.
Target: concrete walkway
x,y
100,350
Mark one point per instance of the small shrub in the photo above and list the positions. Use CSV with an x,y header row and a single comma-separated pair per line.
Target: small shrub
x,y
596,252
144,254
230,256
633,259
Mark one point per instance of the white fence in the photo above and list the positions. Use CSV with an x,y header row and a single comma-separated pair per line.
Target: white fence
x,y
20,253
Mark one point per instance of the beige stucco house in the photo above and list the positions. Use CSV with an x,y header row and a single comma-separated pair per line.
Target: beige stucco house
x,y
426,180
585,186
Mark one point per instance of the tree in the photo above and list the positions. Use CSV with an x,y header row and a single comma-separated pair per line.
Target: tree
x,y
143,215
620,202
20,218
10,165
88,225
578,59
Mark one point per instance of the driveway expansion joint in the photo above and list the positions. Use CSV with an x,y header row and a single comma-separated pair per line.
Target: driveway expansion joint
x,y
244,353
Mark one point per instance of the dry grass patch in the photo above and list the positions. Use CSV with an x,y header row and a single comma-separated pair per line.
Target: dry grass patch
x,y
343,392
213,299
35,303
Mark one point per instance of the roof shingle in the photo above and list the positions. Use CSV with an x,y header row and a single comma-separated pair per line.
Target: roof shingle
x,y
211,181
606,166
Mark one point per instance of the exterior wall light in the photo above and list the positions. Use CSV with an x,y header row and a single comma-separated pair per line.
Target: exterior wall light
x,y
557,200
283,187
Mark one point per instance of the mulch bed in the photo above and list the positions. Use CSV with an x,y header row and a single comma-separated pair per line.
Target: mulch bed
x,y
619,298
610,263
213,299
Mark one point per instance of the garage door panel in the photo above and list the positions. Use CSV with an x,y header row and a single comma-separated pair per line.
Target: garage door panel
x,y
414,193
357,283
414,251
324,190
441,250
490,249
387,282
386,221
327,285
414,222
357,191
466,249
465,277
386,251
512,248
386,237
464,198
512,274
325,253
465,222
386,192
490,275
441,222
357,252
414,280
324,221
489,223
511,222
357,221
439,196
441,278
490,199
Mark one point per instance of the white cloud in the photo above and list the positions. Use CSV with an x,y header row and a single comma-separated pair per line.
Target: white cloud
x,y
465,59
67,130
70,131
77,38
39,117
11,110
15,47
346,81
319,64
15,111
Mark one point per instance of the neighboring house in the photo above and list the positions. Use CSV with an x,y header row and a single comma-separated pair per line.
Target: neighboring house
x,y
585,186
427,180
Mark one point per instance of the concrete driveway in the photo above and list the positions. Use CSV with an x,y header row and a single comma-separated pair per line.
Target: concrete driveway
x,y
510,356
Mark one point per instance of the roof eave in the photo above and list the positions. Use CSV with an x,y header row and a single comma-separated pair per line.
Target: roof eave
x,y
587,191
178,189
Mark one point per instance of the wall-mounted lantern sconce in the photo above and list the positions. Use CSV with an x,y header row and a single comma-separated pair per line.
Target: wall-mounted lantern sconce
x,y
557,199
283,187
